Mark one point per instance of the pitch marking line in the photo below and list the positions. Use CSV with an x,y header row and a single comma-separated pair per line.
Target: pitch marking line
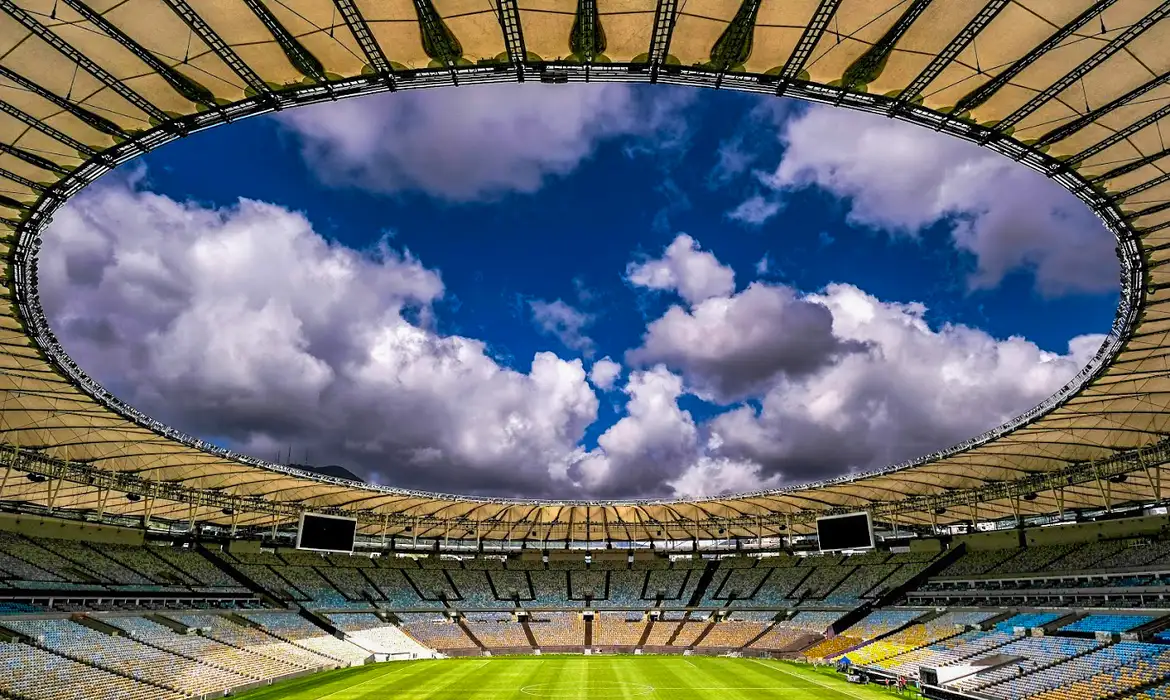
x,y
378,677
810,680
692,664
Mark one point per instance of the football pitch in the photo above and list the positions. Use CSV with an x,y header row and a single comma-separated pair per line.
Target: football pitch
x,y
573,678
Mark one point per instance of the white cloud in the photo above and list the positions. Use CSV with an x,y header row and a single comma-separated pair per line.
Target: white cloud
x,y
605,373
754,211
246,325
646,447
903,179
914,390
695,274
733,347
563,322
478,142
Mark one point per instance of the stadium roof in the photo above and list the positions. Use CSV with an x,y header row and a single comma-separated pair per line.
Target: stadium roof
x,y
1076,89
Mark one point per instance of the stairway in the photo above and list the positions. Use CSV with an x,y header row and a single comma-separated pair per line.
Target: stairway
x,y
467,630
528,633
706,631
646,633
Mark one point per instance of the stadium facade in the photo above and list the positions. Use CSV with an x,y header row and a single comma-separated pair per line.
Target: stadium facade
x,y
1077,90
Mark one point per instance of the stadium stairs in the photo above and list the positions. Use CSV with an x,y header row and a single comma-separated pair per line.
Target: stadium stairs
x,y
528,633
704,581
646,633
703,635
753,640
265,596
470,635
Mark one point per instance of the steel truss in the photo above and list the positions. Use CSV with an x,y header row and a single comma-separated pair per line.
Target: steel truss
x,y
24,263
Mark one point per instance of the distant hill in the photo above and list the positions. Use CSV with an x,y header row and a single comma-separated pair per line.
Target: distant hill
x,y
332,470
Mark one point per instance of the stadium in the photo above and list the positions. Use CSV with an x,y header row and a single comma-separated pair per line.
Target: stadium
x,y
1032,561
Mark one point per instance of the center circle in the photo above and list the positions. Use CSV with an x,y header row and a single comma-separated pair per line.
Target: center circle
x,y
616,689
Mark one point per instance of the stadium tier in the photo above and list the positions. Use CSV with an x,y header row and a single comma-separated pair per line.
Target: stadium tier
x,y
181,619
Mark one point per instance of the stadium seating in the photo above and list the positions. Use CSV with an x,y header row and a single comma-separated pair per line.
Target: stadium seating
x,y
436,633
293,628
618,629
35,674
558,629
127,656
1027,620
498,630
1107,623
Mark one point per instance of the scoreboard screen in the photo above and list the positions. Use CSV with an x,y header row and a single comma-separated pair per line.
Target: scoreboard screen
x,y
852,531
326,533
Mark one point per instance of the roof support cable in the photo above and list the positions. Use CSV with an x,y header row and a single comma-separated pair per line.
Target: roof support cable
x,y
1118,136
1131,166
1103,54
952,50
984,92
182,84
365,37
93,120
794,67
83,61
1063,132
41,126
253,82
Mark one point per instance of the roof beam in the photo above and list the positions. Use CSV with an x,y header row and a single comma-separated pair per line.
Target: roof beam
x,y
93,120
47,130
1147,185
1063,132
217,45
183,85
365,38
1147,211
66,50
665,17
1131,166
1103,54
297,55
35,187
509,15
809,38
33,159
945,57
984,92
1119,135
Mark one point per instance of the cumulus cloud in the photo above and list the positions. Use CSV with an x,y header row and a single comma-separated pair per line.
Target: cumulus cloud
x,y
684,268
478,142
903,179
645,448
733,347
246,325
604,373
563,322
914,390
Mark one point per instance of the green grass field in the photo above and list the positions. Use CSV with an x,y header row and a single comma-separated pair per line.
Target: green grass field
x,y
573,678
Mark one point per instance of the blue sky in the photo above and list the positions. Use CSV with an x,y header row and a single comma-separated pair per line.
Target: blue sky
x,y
517,207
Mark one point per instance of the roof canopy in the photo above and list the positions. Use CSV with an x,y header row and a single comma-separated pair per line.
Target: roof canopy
x,y
1074,88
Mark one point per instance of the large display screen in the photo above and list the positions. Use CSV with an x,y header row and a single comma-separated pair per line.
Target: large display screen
x,y
326,533
852,531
